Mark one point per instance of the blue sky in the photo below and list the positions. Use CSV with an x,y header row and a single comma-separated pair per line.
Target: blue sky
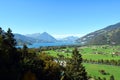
x,y
60,18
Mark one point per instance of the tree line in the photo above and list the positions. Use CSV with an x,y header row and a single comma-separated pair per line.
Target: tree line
x,y
102,61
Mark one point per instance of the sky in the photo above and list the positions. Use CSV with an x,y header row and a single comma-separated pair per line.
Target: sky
x,y
59,18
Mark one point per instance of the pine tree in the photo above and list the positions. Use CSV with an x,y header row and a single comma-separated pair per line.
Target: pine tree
x,y
75,69
2,55
10,38
9,69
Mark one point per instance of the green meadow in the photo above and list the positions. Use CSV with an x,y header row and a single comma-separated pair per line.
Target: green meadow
x,y
93,70
94,53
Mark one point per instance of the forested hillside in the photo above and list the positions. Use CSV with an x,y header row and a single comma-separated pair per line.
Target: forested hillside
x,y
109,35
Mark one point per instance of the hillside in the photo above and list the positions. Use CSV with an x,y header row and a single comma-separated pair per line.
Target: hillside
x,y
46,37
107,35
43,37
34,38
21,39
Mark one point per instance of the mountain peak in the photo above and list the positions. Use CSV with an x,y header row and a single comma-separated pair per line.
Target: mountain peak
x,y
45,33
47,37
43,37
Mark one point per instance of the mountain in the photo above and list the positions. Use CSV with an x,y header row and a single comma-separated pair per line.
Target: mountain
x,y
21,39
43,37
46,37
33,38
69,39
107,35
35,35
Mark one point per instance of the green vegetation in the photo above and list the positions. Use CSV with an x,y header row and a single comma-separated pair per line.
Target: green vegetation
x,y
93,70
25,64
99,57
57,63
95,53
74,68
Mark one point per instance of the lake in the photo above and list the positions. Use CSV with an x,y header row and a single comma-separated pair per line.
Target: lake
x,y
37,45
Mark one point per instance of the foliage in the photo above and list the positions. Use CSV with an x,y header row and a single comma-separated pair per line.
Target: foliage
x,y
9,59
74,68
95,58
18,64
112,77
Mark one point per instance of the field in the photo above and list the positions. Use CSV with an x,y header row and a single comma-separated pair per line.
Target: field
x,y
93,70
96,53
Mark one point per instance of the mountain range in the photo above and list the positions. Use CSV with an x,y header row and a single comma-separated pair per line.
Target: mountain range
x,y
108,35
40,38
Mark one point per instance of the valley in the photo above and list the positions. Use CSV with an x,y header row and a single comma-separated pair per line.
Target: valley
x,y
60,40
95,58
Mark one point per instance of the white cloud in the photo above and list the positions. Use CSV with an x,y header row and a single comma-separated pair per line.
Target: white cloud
x,y
58,36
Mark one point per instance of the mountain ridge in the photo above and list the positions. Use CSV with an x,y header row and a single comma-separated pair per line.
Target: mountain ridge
x,y
40,38
107,35
43,37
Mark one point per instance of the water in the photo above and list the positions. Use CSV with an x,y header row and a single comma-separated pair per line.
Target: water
x,y
37,45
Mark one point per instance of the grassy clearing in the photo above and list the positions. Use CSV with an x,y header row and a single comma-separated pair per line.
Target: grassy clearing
x,y
93,70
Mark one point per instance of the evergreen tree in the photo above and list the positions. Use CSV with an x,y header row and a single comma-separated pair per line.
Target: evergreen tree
x,y
112,77
2,55
75,69
10,44
9,58
10,38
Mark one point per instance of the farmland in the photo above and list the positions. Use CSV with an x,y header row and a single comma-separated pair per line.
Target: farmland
x,y
95,53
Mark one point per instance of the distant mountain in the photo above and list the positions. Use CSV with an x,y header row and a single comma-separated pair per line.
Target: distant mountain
x,y
107,35
69,39
33,38
21,39
46,37
35,35
43,37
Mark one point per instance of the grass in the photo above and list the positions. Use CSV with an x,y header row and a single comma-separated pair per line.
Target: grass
x,y
100,56
88,52
93,70
55,54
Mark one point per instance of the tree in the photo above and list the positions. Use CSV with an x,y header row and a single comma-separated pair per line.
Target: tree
x,y
7,47
112,77
51,69
9,57
74,68
2,49
10,43
25,51
10,38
